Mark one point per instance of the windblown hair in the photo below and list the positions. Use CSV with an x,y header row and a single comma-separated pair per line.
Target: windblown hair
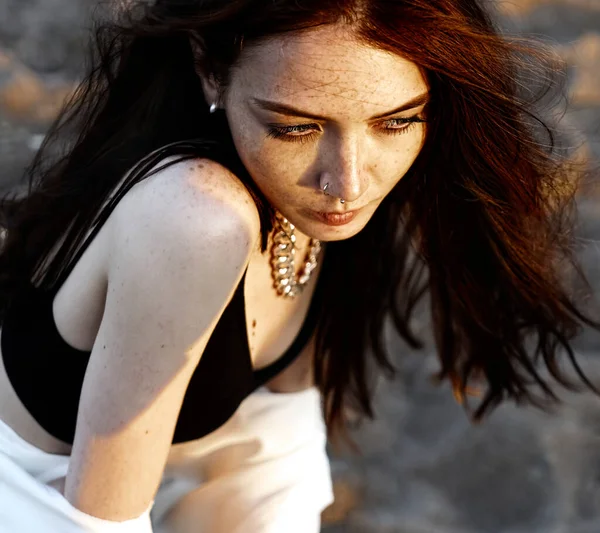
x,y
482,221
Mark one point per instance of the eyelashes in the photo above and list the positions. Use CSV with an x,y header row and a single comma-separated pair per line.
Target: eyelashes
x,y
304,133
293,133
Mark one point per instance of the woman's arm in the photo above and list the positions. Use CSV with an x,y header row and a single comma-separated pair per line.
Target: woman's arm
x,y
179,249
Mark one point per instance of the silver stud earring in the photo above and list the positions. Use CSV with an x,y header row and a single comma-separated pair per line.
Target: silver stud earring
x,y
213,107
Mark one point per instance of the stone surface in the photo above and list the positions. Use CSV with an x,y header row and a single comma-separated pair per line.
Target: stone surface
x,y
46,35
521,8
423,468
25,97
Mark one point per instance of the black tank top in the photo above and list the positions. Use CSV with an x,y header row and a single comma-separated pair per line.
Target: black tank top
x,y
47,373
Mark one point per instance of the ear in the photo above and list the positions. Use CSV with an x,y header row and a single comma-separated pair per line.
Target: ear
x,y
210,87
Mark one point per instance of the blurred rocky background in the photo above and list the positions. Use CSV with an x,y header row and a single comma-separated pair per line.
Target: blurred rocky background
x,y
423,468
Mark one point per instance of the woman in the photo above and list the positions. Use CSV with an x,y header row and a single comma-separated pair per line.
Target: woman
x,y
149,286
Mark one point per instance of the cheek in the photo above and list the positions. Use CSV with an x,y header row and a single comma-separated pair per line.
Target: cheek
x,y
272,166
251,144
395,163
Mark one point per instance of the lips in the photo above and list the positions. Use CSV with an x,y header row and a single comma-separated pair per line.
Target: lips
x,y
334,219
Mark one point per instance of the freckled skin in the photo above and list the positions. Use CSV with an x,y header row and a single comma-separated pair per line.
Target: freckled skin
x,y
329,73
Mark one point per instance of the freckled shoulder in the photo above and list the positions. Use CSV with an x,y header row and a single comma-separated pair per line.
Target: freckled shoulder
x,y
224,186
199,193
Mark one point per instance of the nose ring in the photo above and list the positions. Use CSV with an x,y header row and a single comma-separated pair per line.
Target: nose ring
x,y
325,187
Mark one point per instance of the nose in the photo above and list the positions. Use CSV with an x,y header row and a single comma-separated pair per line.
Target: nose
x,y
344,169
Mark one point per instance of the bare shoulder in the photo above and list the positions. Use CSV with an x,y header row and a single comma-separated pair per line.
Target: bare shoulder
x,y
189,196
184,235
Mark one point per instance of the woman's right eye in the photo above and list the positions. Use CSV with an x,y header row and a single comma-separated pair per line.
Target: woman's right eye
x,y
298,133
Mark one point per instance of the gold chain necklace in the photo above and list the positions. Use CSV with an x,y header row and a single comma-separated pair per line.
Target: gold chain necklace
x,y
285,280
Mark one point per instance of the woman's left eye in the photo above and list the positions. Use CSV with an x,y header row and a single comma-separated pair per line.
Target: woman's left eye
x,y
395,126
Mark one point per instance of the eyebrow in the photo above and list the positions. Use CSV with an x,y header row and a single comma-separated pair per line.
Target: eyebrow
x,y
290,111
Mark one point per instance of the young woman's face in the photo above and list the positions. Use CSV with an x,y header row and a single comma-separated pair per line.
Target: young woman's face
x,y
321,107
